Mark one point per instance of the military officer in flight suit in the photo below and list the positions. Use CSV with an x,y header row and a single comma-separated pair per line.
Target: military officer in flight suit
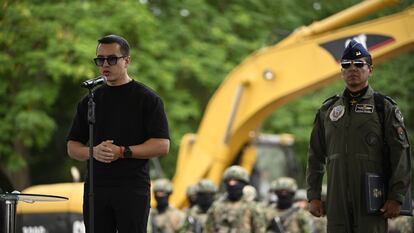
x,y
354,133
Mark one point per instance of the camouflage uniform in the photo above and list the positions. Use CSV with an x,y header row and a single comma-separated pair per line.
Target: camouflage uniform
x,y
404,224
171,219
226,216
234,217
353,136
319,224
196,218
250,195
293,219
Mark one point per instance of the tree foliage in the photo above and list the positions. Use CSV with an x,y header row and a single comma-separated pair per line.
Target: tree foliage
x,y
181,48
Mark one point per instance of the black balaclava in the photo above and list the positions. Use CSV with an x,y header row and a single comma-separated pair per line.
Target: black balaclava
x,y
285,200
235,192
205,200
162,202
192,200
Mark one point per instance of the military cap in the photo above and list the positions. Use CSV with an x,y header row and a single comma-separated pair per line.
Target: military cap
x,y
206,186
191,190
355,50
162,185
284,183
236,172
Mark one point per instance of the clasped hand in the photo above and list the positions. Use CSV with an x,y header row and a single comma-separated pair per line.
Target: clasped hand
x,y
106,152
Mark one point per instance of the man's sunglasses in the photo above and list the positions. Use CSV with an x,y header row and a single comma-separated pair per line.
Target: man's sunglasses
x,y
358,63
112,60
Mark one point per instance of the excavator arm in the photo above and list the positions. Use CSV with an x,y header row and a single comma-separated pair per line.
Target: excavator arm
x,y
269,78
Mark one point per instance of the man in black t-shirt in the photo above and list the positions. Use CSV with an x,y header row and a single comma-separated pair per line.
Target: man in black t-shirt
x,y
131,127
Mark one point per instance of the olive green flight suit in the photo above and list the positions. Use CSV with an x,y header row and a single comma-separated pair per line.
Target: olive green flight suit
x,y
349,143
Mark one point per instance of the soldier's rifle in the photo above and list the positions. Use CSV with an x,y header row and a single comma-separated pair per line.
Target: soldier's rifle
x,y
278,221
195,225
276,225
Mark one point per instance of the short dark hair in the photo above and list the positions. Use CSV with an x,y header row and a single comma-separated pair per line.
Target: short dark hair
x,y
109,39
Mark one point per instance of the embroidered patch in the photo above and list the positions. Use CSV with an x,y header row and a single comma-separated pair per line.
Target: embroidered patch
x,y
353,102
364,108
401,133
371,139
337,112
399,115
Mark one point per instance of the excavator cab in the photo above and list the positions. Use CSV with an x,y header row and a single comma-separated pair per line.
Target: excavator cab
x,y
267,158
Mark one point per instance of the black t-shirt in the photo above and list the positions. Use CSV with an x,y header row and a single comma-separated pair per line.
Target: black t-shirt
x,y
129,114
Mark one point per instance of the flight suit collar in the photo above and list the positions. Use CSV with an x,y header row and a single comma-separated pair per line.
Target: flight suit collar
x,y
359,113
368,94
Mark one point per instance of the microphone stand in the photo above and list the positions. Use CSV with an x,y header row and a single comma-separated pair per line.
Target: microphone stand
x,y
91,121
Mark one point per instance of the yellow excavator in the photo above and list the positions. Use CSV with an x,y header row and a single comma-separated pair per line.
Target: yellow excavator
x,y
304,61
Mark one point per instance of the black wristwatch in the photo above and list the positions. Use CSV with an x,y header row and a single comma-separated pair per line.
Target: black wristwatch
x,y
127,152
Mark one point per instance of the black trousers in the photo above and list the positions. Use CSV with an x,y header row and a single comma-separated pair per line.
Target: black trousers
x,y
120,209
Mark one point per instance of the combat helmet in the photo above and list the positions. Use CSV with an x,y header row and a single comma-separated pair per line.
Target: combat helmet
x,y
236,172
191,190
162,185
249,193
206,186
285,183
300,195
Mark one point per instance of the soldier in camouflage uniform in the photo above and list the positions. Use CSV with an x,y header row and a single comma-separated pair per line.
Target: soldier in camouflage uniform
x,y
355,133
233,214
284,216
164,218
191,193
197,216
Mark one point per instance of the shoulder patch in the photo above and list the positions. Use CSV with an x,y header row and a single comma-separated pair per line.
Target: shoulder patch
x,y
398,115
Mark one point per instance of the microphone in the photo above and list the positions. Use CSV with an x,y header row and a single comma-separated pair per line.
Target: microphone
x,y
91,83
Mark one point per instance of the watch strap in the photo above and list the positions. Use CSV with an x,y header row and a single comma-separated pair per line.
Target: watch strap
x,y
127,152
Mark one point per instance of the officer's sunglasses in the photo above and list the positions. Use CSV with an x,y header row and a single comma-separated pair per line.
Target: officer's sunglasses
x,y
358,63
112,60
